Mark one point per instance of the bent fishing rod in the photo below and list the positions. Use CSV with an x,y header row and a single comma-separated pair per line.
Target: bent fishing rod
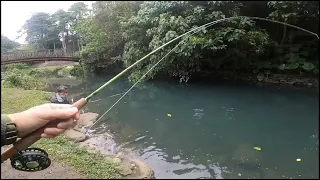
x,y
31,159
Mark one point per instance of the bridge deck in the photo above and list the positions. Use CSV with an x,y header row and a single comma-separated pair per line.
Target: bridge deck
x,y
47,55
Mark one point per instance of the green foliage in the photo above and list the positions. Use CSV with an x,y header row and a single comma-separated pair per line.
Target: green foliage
x,y
17,66
16,78
93,165
236,40
7,44
113,34
15,100
77,71
45,31
23,76
102,34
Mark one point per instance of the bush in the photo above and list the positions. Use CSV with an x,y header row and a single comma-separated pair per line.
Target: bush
x,y
42,72
77,71
17,66
14,78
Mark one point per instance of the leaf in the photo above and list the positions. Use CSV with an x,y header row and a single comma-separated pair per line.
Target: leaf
x,y
282,67
293,66
308,66
260,76
298,160
257,148
239,174
169,115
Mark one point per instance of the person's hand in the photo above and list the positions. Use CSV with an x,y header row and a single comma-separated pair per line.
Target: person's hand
x,y
57,118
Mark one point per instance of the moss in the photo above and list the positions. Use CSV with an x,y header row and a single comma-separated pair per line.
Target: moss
x,y
59,149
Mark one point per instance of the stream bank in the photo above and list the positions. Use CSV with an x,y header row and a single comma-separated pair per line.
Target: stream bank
x,y
86,161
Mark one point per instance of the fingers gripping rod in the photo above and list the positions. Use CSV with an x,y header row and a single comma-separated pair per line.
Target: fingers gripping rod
x,y
33,137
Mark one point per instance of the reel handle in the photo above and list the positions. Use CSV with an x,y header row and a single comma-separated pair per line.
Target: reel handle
x,y
33,137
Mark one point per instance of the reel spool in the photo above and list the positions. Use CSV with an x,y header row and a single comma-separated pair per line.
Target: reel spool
x,y
31,160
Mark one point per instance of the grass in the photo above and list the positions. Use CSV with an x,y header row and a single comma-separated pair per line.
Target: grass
x,y
92,165
24,76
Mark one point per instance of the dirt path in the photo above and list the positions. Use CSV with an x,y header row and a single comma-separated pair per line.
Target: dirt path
x,y
55,171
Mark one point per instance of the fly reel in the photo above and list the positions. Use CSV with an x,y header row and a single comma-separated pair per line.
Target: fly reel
x,y
31,160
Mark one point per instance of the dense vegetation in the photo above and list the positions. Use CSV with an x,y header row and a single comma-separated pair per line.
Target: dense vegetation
x,y
114,34
7,44
23,76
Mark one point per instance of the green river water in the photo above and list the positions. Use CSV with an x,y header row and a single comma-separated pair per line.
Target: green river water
x,y
214,128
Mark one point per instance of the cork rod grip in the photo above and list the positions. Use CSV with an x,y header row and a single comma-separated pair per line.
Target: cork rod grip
x,y
33,137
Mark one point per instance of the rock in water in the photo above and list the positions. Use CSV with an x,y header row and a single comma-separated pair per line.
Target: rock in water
x,y
75,135
87,119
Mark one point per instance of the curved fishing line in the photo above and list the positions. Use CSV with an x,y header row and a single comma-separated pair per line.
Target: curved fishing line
x,y
136,83
106,97
195,30
9,153
192,30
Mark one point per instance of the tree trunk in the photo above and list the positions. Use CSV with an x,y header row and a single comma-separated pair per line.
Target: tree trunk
x,y
79,45
284,34
63,43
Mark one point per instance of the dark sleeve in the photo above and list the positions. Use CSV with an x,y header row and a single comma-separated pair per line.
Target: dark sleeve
x,y
54,99
3,132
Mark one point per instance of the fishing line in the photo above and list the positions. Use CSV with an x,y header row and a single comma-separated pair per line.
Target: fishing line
x,y
137,83
193,31
33,137
107,97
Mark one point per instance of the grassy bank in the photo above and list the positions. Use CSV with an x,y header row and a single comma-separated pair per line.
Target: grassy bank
x,y
59,149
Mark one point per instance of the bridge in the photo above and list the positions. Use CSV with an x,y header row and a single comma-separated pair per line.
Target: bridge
x,y
33,56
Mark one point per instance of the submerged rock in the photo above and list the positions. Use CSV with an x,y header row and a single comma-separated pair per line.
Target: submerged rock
x,y
75,135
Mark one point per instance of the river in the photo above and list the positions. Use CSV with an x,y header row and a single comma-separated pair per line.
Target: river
x,y
217,130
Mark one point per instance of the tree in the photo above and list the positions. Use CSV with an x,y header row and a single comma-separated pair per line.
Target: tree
x,y
101,33
39,30
63,20
7,44
79,10
230,45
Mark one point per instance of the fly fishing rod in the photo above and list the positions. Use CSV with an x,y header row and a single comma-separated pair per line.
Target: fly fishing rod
x,y
34,159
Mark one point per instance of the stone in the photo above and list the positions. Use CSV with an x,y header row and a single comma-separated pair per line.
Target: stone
x,y
75,135
116,160
87,119
133,166
145,171
77,128
124,170
120,155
